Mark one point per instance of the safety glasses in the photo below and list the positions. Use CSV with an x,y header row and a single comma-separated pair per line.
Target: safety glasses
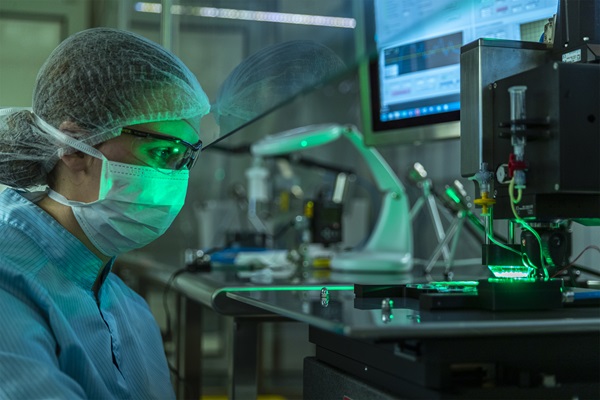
x,y
163,152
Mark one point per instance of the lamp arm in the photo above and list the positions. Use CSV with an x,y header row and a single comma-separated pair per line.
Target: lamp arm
x,y
392,231
384,175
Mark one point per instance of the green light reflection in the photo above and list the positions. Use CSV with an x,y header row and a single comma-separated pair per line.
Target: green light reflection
x,y
285,288
455,283
450,192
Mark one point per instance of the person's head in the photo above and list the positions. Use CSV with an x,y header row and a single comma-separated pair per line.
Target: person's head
x,y
113,131
270,77
94,84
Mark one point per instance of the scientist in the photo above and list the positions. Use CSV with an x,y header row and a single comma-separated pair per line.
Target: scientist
x,y
113,132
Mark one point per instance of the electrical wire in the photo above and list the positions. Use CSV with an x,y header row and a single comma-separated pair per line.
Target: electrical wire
x,y
191,268
169,333
521,221
519,194
590,247
505,247
169,284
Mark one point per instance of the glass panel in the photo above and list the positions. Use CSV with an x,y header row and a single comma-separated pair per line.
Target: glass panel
x,y
368,318
247,56
254,57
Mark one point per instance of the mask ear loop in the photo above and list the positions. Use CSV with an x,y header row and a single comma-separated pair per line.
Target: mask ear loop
x,y
10,110
66,139
71,142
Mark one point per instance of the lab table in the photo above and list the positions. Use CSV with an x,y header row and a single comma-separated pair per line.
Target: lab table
x,y
398,350
393,348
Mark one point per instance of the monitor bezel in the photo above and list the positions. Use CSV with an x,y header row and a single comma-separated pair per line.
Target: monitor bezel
x,y
413,130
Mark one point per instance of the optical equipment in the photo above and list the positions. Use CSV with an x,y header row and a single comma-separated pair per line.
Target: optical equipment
x,y
389,247
530,139
184,156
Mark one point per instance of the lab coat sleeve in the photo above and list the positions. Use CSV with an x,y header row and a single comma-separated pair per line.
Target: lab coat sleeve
x,y
29,367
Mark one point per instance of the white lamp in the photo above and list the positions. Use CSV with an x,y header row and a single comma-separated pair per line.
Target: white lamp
x,y
389,248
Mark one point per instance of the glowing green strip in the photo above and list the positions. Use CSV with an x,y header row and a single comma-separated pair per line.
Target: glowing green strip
x,y
508,280
516,271
285,288
511,274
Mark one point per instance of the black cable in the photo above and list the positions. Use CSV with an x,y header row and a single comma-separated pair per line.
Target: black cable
x,y
169,332
190,267
179,378
283,229
167,336
243,149
584,269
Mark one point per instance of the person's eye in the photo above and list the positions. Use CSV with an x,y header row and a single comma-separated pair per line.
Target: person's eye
x,y
161,153
164,154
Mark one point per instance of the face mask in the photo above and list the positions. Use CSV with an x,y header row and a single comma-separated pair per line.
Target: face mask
x,y
136,204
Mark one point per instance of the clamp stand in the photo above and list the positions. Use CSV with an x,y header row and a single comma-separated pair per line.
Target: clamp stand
x,y
455,199
418,175
453,231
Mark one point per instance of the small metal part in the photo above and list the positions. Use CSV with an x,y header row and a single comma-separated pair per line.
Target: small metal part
x,y
197,260
386,310
386,316
325,297
387,303
568,297
502,174
593,284
418,173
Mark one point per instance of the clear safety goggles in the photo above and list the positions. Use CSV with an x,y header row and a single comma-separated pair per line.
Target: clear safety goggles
x,y
163,152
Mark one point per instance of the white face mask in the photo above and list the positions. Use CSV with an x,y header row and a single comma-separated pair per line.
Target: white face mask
x,y
136,204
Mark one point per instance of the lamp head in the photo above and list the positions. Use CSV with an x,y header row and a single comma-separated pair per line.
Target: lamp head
x,y
297,139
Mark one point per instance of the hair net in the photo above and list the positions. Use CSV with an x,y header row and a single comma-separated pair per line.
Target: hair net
x,y
93,84
272,75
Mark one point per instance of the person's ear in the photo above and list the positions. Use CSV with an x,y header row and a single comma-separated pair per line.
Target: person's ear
x,y
77,161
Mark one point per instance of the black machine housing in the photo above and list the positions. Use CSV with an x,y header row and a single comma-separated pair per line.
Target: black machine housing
x,y
562,130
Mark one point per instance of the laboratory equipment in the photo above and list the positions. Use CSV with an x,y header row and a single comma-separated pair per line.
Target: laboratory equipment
x,y
389,247
530,138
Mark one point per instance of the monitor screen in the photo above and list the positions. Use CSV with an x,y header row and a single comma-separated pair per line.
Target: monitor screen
x,y
410,87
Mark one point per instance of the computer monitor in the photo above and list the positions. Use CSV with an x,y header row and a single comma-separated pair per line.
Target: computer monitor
x,y
410,85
